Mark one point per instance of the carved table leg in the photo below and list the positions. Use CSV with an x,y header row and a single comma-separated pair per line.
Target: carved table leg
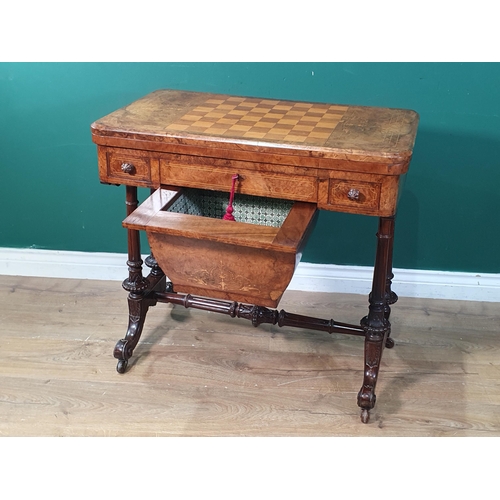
x,y
136,285
156,270
376,324
157,275
138,307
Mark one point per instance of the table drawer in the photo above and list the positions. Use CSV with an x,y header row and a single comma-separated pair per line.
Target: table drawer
x,y
355,193
125,166
362,194
180,170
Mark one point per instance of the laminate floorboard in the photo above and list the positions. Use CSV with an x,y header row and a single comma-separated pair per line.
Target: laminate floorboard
x,y
196,373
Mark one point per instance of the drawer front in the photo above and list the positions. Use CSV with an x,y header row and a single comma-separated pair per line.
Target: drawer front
x,y
361,194
258,183
125,166
355,194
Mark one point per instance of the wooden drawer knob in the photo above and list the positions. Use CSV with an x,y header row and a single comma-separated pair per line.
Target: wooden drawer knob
x,y
353,194
128,168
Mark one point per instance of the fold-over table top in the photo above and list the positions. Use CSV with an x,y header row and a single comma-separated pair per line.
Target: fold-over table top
x,y
357,133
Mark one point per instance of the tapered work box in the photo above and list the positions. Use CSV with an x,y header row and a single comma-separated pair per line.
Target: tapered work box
x,y
251,259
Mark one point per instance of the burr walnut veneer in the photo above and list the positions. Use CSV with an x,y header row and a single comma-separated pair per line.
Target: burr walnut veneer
x,y
282,161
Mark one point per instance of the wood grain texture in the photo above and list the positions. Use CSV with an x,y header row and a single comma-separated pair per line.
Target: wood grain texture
x,y
279,149
224,270
253,182
201,374
150,217
302,129
378,194
231,260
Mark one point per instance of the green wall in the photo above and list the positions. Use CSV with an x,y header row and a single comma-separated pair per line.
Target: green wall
x,y
450,205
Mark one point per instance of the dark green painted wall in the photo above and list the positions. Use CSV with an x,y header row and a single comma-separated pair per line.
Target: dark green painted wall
x,y
449,212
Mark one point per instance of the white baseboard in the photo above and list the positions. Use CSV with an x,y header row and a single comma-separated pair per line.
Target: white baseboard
x,y
406,282
308,277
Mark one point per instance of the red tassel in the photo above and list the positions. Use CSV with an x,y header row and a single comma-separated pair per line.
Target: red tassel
x,y
229,210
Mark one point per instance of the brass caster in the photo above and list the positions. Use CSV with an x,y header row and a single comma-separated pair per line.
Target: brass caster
x,y
122,366
365,415
389,343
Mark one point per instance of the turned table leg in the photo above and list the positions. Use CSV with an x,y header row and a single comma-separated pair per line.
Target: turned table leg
x,y
136,285
376,325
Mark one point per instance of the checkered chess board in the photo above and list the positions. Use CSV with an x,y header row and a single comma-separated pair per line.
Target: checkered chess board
x,y
261,119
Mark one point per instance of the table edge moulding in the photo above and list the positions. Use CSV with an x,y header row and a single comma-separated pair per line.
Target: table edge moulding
x,y
281,161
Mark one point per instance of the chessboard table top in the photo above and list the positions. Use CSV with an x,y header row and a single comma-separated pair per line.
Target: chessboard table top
x,y
358,133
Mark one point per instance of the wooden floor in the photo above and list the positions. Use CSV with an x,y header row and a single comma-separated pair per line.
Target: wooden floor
x,y
202,374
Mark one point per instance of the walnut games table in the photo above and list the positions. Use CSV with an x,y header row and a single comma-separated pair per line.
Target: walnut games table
x,y
273,164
